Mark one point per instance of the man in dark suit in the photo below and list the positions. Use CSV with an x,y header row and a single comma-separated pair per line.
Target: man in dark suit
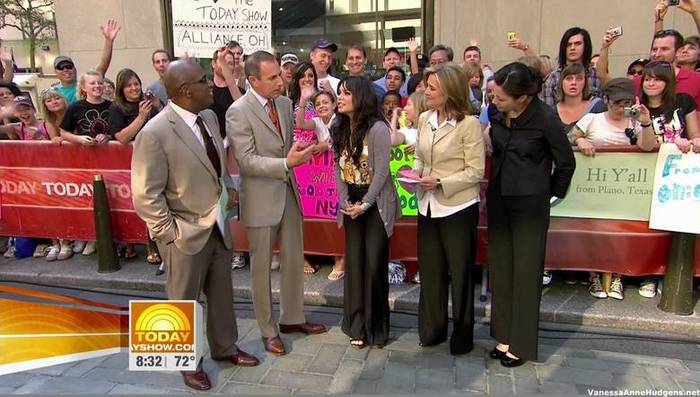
x,y
260,125
178,175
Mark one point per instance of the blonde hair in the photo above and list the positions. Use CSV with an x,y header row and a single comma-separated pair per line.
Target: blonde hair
x,y
455,88
419,102
473,70
81,84
49,116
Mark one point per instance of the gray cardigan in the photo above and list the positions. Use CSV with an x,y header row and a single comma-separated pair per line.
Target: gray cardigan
x,y
382,189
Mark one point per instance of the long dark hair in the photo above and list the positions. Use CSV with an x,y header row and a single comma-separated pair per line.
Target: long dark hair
x,y
663,71
123,77
587,46
350,134
299,71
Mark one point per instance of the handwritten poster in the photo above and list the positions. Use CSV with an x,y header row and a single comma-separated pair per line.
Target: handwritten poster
x,y
675,205
317,189
400,159
202,26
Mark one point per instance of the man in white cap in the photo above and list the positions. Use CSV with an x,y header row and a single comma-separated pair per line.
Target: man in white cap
x,y
288,62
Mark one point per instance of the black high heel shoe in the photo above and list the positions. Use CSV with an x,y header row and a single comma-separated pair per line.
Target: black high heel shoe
x,y
510,362
496,354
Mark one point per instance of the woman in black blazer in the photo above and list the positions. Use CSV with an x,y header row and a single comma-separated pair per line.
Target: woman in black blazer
x,y
527,139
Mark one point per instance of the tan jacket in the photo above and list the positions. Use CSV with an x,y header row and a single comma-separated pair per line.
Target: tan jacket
x,y
455,155
261,152
174,186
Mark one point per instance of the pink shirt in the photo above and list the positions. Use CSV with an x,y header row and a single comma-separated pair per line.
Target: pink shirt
x,y
41,134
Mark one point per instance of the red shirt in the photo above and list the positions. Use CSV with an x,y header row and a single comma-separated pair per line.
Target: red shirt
x,y
687,82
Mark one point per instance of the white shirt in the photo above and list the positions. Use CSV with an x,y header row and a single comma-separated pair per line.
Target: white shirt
x,y
322,129
191,120
428,200
334,81
600,132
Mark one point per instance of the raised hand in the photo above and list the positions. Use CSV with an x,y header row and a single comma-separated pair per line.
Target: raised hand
x,y
110,30
307,92
689,6
412,44
608,38
518,44
660,9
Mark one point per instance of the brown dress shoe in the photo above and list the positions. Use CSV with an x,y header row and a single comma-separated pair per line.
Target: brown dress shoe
x,y
242,359
197,380
274,345
305,328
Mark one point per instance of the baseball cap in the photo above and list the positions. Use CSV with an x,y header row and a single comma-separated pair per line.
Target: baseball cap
x,y
640,61
289,58
62,58
620,88
23,100
325,44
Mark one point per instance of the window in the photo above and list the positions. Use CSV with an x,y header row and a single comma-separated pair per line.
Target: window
x,y
297,24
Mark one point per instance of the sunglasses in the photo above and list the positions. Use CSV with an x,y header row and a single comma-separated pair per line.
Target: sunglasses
x,y
64,66
635,72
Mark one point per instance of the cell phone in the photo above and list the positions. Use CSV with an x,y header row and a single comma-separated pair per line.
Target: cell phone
x,y
673,2
149,95
616,32
512,36
630,112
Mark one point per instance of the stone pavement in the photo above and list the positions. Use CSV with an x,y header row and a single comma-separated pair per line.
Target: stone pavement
x,y
570,363
565,305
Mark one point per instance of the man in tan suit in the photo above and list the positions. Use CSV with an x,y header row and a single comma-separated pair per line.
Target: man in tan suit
x,y
177,179
260,125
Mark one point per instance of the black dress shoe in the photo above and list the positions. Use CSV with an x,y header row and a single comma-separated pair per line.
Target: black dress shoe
x,y
497,354
510,362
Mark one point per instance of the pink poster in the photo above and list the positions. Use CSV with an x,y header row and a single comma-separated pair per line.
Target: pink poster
x,y
316,181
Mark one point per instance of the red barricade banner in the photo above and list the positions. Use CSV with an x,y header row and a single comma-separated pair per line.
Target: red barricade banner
x,y
46,190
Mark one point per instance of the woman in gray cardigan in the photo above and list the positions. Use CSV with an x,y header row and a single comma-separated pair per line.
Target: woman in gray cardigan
x,y
368,206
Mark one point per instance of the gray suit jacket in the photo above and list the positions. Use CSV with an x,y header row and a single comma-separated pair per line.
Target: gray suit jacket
x,y
261,152
382,190
174,186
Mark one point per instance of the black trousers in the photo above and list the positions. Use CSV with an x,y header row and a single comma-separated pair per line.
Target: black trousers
x,y
446,255
366,285
517,244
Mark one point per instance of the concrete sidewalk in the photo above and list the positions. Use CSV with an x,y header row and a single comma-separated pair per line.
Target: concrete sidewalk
x,y
564,305
570,363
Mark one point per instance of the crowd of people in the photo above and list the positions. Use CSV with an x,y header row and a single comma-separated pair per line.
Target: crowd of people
x,y
269,114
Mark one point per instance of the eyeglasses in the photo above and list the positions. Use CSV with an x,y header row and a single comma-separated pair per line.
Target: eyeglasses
x,y
629,133
635,72
64,66
203,80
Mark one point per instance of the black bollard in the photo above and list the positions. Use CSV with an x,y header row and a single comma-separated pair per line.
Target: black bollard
x,y
677,297
107,259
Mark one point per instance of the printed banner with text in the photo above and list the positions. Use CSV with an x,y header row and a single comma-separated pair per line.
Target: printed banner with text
x,y
676,203
610,186
46,190
202,26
